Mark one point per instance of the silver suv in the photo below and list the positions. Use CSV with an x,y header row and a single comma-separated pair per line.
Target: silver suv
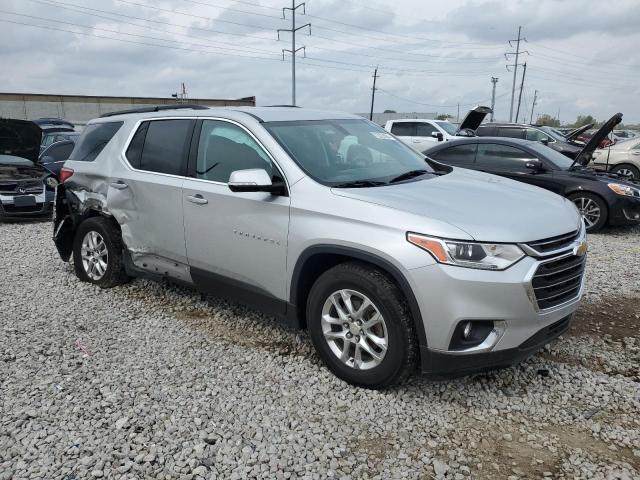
x,y
329,223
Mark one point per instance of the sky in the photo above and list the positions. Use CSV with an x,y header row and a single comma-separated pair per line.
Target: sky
x,y
582,56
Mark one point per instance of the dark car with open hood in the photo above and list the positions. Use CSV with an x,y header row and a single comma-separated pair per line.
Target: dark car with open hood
x,y
26,186
602,198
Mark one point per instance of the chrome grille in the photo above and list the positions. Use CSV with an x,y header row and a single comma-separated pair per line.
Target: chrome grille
x,y
558,281
13,188
552,244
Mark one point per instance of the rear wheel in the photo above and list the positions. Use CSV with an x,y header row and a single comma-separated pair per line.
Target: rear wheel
x,y
593,209
626,170
97,253
361,327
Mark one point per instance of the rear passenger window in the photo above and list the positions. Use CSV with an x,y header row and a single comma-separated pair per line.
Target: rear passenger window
x,y
161,146
511,132
458,156
93,139
403,129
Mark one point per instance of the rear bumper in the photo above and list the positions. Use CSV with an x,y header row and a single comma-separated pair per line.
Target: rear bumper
x,y
439,364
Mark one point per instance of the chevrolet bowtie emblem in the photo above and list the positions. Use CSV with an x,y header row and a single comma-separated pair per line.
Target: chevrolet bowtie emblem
x,y
581,249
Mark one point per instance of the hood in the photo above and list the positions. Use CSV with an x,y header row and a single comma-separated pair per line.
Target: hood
x,y
474,118
584,157
20,138
573,134
13,169
487,207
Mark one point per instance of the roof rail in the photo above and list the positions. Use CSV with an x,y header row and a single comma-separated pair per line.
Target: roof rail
x,y
157,108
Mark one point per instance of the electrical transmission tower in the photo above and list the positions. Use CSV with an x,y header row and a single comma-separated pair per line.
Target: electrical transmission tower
x,y
535,99
494,80
515,66
373,92
293,50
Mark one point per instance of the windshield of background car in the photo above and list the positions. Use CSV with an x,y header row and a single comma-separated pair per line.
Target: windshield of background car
x,y
334,152
448,127
558,159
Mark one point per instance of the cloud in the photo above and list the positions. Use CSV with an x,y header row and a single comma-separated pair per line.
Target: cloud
x,y
583,58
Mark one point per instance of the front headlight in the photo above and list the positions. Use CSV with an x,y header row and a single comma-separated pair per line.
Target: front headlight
x,y
486,256
624,190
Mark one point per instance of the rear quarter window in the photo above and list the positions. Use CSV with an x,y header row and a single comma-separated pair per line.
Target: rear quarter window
x,y
93,139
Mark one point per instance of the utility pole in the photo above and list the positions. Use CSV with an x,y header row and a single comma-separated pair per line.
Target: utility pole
x,y
535,97
494,80
293,50
458,118
524,72
515,67
373,92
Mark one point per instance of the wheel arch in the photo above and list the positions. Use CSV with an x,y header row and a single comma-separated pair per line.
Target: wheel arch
x,y
317,259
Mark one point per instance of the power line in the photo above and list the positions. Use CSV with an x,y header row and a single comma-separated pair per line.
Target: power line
x,y
133,34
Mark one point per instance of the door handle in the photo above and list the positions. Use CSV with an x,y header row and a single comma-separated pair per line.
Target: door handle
x,y
119,185
197,199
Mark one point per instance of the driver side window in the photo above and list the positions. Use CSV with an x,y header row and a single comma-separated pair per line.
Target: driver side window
x,y
224,148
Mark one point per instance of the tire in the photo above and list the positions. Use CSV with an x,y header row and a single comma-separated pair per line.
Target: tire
x,y
627,171
590,202
359,281
109,272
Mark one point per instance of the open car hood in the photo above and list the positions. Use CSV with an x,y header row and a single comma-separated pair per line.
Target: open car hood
x,y
474,118
584,157
20,138
573,134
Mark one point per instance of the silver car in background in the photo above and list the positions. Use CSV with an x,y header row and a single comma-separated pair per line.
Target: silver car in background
x,y
329,223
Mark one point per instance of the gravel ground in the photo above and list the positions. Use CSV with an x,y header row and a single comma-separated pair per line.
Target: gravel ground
x,y
152,381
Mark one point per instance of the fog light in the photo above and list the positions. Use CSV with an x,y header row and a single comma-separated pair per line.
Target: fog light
x,y
466,333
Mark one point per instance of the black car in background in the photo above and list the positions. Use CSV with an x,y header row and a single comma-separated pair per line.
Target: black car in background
x,y
603,199
26,187
563,144
54,156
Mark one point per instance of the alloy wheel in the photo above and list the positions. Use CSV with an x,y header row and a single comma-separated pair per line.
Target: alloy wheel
x,y
625,172
589,209
94,254
354,329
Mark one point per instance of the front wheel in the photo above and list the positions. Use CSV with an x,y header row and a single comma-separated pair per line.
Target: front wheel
x,y
97,253
361,326
592,208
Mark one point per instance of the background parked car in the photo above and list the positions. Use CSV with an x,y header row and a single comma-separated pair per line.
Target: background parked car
x,y
26,188
626,134
602,199
49,138
54,156
562,144
420,133
622,158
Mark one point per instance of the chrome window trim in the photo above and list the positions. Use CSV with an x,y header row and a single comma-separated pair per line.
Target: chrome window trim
x,y
125,160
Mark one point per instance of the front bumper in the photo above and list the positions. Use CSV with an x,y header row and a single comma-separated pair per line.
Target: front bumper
x,y
625,211
41,209
448,295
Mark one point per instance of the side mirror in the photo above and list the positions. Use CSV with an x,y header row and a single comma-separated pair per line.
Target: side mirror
x,y
545,141
535,165
437,135
253,180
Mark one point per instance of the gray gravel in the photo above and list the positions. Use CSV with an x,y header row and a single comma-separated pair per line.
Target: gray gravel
x,y
150,381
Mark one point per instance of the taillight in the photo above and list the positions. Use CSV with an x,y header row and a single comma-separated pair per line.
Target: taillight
x,y
65,174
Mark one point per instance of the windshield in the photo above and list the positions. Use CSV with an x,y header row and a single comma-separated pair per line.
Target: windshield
x,y
339,152
558,159
448,127
553,133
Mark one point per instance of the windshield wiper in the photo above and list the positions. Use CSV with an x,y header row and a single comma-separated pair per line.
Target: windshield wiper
x,y
408,175
360,184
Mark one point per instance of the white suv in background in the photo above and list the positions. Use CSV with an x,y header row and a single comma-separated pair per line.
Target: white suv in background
x,y
420,133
